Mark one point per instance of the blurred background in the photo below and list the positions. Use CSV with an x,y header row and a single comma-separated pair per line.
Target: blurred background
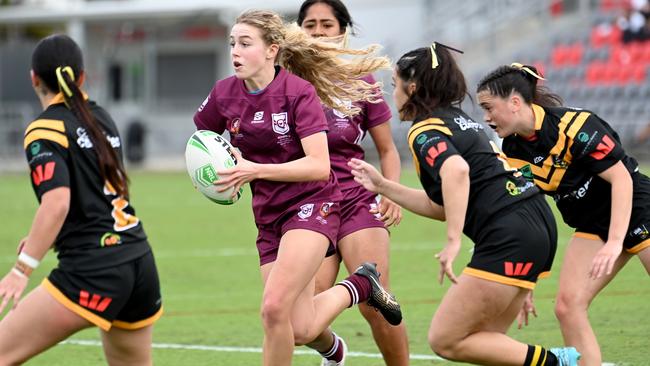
x,y
151,63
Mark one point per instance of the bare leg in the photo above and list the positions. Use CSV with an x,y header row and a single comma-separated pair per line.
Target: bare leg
x,y
471,321
290,312
36,324
371,245
128,347
576,292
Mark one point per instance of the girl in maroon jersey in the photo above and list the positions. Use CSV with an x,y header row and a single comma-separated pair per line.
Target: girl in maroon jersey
x,y
362,234
275,118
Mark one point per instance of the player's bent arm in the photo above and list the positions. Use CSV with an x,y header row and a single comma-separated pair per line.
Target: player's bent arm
x,y
414,200
388,155
621,181
454,174
314,166
49,219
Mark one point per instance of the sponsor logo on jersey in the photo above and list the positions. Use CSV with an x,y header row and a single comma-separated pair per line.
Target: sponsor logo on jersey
x,y
515,190
280,123
258,117
84,141
434,152
559,163
538,159
110,239
35,147
347,104
583,137
306,211
326,208
466,124
43,173
96,302
205,102
604,147
517,268
642,232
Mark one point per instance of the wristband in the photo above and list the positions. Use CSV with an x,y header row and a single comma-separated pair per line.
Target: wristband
x,y
28,260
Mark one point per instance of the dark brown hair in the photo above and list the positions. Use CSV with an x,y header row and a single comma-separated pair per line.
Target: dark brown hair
x,y
61,52
339,10
442,86
506,79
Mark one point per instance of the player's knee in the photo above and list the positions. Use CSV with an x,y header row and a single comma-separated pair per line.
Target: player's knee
x,y
568,306
273,311
302,337
442,345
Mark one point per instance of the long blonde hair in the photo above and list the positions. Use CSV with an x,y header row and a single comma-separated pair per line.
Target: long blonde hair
x,y
318,61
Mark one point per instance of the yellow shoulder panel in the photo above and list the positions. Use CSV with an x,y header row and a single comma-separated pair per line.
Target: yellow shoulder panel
x,y
51,124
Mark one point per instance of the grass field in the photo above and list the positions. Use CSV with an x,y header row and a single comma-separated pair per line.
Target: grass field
x,y
211,285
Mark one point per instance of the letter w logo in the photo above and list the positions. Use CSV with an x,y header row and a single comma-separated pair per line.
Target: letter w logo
x,y
605,146
518,269
95,303
39,176
434,152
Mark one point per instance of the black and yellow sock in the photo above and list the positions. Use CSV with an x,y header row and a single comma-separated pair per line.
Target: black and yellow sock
x,y
538,356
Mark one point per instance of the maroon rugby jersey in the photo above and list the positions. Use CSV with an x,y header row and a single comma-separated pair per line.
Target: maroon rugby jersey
x,y
267,128
345,134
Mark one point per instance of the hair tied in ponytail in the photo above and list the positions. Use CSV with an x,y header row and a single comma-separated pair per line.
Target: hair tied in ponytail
x,y
527,69
63,85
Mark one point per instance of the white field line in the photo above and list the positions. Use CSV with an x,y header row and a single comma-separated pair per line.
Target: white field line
x,y
197,347
79,342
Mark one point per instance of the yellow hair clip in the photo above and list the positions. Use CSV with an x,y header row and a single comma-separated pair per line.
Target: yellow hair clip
x,y
527,69
62,84
434,57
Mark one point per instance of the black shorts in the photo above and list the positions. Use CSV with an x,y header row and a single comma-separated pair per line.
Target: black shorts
x,y
516,247
126,296
638,234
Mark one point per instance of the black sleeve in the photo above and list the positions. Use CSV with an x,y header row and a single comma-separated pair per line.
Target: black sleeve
x,y
47,153
596,146
431,148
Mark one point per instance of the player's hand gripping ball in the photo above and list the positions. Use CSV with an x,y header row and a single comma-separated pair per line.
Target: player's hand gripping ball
x,y
206,153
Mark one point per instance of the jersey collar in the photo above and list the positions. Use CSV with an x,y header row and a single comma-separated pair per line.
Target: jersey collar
x,y
58,99
539,113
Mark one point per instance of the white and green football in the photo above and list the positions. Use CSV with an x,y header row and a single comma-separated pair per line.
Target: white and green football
x,y
206,153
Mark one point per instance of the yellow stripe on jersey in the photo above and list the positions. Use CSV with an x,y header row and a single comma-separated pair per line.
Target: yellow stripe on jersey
x,y
536,354
548,177
41,134
426,125
52,124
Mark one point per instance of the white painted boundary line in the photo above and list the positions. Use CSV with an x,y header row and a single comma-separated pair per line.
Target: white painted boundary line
x,y
79,342
197,347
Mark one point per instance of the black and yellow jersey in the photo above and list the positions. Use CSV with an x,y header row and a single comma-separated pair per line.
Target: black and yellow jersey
x,y
494,186
570,148
101,229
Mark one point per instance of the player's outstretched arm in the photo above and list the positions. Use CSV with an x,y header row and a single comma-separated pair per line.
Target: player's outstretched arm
x,y
414,200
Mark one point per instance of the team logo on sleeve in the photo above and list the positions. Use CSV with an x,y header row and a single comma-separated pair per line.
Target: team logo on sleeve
x,y
280,123
306,211
35,148
234,126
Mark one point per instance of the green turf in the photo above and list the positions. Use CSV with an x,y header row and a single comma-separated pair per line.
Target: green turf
x,y
211,284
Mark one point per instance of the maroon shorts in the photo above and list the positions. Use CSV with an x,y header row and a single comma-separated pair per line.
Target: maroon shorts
x,y
321,217
355,211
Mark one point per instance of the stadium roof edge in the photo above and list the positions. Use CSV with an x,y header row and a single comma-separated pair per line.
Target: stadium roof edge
x,y
136,9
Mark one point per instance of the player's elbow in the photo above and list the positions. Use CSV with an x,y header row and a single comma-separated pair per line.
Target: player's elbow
x,y
321,171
